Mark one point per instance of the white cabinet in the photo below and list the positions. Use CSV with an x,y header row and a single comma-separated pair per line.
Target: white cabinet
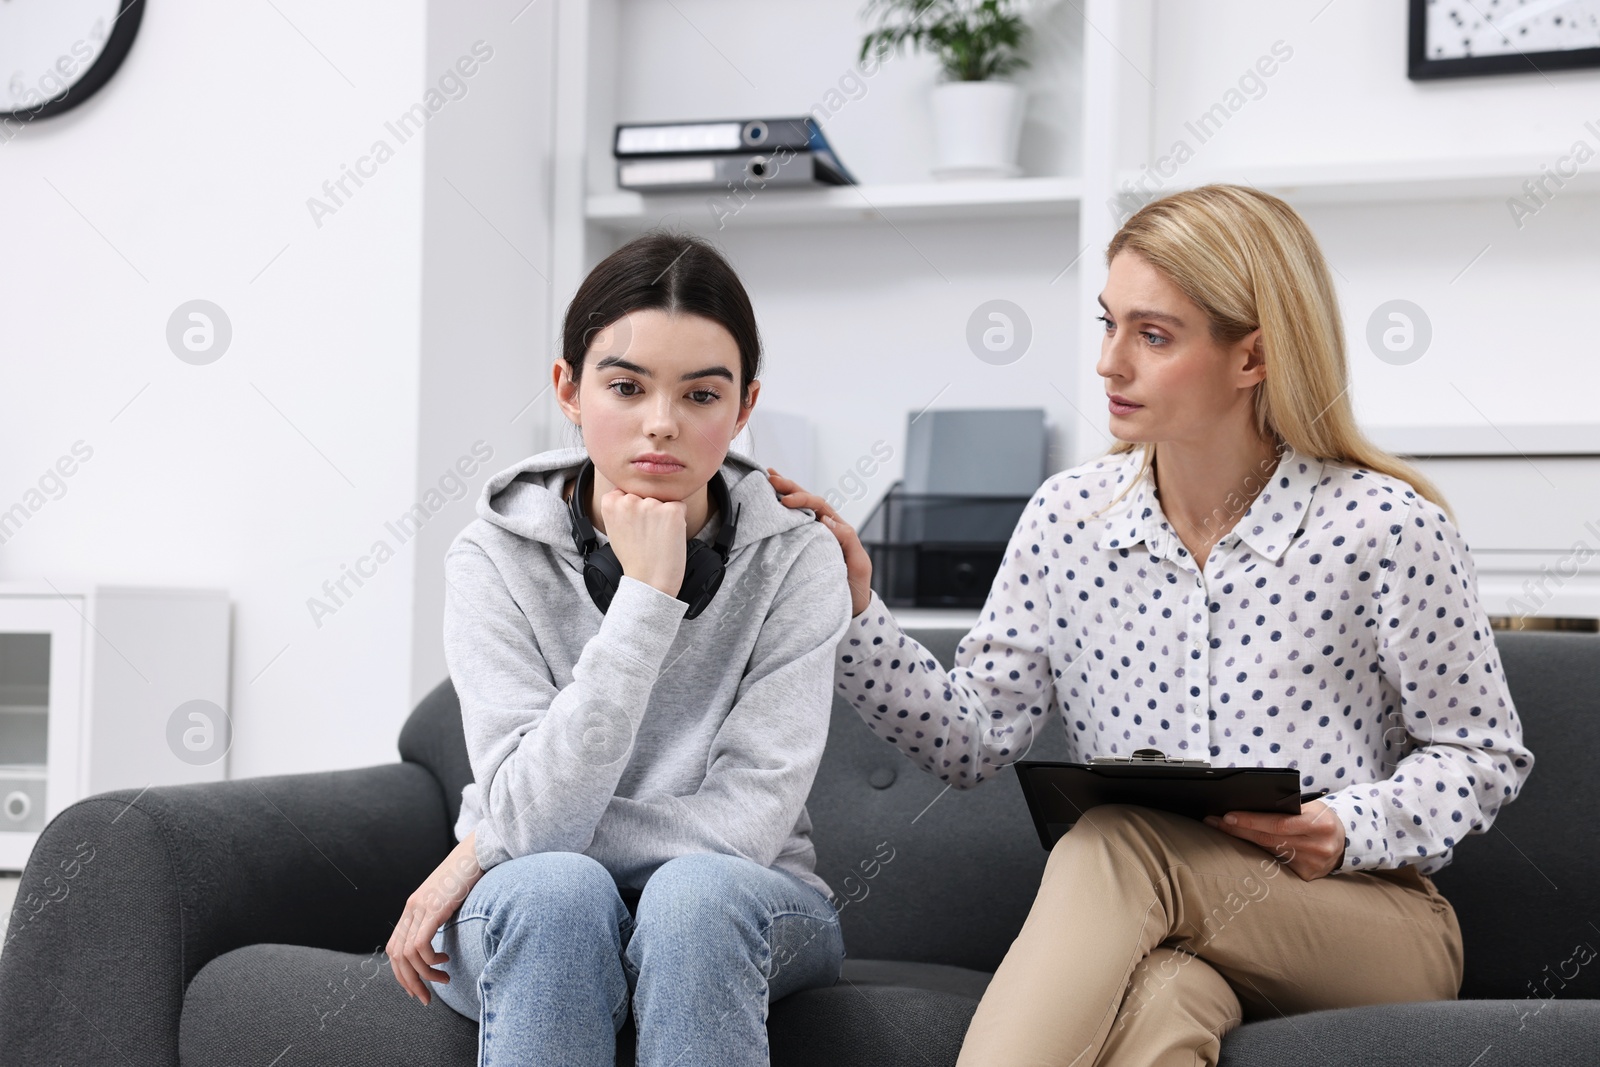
x,y
105,687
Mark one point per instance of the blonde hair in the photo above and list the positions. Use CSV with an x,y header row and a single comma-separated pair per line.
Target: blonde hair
x,y
1248,260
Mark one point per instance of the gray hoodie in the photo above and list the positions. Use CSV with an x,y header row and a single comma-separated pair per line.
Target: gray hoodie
x,y
639,735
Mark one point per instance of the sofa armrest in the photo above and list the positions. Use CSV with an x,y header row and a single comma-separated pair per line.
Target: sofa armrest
x,y
129,893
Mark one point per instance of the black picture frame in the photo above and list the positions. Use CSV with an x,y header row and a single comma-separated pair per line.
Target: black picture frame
x,y
118,44
1420,68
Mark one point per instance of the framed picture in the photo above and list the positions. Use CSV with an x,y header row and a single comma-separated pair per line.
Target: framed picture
x,y
1460,38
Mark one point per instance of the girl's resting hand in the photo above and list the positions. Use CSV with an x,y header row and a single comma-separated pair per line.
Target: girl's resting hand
x,y
1310,844
410,948
857,564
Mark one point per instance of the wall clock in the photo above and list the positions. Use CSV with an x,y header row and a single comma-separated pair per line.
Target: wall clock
x,y
55,54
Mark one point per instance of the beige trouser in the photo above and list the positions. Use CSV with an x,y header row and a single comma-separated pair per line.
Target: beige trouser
x,y
1153,935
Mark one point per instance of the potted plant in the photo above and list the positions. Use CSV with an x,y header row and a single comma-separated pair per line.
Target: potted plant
x,y
977,115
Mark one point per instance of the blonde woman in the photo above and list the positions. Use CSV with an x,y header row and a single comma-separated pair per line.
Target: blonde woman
x,y
1242,578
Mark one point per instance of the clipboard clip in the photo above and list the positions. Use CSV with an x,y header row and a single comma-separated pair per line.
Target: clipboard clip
x,y
1146,756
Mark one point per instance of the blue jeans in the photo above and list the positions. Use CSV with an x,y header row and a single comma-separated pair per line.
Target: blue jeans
x,y
545,954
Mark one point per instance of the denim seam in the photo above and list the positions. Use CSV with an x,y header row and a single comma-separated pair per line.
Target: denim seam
x,y
454,924
828,904
771,921
767,974
624,935
798,910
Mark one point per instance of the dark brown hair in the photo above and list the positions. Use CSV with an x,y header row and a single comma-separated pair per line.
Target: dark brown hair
x,y
672,272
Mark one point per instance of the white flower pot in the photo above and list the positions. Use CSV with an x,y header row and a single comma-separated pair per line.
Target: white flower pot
x,y
977,126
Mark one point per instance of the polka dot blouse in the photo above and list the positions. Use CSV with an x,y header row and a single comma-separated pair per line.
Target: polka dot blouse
x,y
1336,629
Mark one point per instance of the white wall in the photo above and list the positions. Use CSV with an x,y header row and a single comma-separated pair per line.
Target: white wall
x,y
267,470
1501,297
1343,96
487,335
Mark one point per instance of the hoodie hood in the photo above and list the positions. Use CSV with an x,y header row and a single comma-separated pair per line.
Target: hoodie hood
x,y
525,499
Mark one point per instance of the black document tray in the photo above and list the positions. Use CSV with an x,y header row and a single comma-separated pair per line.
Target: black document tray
x,y
938,550
1058,793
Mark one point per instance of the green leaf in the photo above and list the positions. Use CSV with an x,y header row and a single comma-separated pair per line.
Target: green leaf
x,y
973,40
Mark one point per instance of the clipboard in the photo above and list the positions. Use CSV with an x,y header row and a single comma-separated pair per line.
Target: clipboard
x,y
1058,793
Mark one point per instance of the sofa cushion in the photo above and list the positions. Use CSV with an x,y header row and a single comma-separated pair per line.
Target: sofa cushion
x,y
1527,893
287,1004
869,1026
934,977
1456,1032
254,1004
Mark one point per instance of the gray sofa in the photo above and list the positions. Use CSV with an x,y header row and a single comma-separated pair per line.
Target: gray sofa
x,y
243,922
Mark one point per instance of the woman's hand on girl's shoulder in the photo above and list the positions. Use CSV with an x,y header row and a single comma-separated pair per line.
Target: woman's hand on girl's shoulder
x,y
410,949
857,564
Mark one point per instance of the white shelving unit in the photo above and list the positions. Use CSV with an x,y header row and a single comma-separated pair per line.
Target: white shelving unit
x,y
1107,123
91,679
592,217
626,211
1395,181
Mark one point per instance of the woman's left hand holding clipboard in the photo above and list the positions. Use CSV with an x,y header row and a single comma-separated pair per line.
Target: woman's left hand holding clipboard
x,y
1310,844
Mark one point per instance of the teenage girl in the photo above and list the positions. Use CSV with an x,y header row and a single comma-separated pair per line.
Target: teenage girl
x,y
644,713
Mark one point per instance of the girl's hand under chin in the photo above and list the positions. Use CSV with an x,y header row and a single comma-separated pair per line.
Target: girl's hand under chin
x,y
649,537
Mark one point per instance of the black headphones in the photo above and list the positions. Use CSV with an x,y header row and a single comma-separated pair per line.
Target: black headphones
x,y
703,564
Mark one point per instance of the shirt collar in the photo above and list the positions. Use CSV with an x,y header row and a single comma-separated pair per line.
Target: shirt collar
x,y
1268,526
